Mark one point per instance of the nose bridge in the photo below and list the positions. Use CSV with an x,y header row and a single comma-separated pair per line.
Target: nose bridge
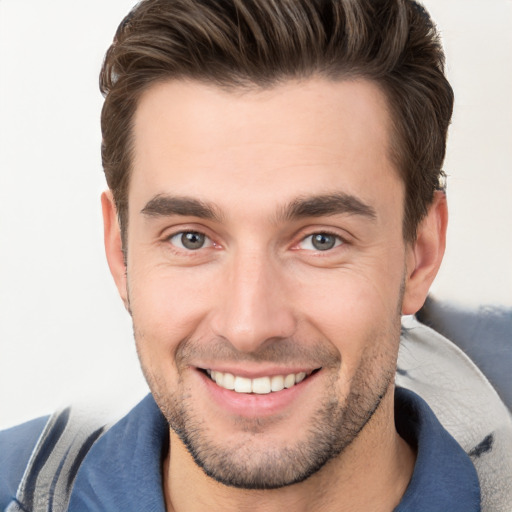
x,y
255,307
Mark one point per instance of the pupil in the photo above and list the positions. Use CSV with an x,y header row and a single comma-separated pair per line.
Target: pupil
x,y
192,240
323,242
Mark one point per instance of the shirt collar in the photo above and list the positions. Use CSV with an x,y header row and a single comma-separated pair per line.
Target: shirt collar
x,y
444,477
122,471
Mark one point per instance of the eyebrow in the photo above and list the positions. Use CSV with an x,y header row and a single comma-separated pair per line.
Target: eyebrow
x,y
164,205
326,205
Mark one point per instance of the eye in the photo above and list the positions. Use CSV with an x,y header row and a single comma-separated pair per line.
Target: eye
x,y
190,240
320,242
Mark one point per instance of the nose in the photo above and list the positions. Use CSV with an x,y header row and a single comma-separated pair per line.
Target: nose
x,y
254,306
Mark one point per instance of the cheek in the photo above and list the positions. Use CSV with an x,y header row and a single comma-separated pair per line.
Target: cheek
x,y
354,308
166,307
366,293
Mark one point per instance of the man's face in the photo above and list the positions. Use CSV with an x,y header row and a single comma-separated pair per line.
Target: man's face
x,y
265,251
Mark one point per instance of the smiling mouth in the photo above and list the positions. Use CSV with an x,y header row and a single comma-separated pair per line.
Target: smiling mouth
x,y
259,385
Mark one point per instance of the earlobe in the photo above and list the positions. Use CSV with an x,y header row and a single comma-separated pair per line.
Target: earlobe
x,y
425,255
113,244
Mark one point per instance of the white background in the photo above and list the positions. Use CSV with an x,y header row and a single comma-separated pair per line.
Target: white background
x,y
64,334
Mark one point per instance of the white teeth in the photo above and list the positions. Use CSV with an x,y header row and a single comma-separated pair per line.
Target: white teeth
x,y
260,385
289,380
299,377
277,383
243,385
229,381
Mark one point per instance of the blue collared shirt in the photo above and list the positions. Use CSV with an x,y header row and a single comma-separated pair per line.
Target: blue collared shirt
x,y
122,471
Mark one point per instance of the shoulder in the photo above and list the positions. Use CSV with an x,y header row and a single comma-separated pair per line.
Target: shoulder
x,y
465,403
16,446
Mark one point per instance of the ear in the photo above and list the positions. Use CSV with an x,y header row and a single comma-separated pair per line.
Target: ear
x,y
425,254
113,245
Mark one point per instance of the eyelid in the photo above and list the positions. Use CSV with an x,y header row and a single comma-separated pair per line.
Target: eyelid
x,y
169,230
177,231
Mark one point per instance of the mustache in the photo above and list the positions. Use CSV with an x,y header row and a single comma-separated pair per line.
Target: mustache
x,y
288,351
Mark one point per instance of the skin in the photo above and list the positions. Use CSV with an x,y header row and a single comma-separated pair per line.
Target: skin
x,y
260,299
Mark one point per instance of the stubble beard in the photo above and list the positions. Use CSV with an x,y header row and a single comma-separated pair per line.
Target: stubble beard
x,y
325,434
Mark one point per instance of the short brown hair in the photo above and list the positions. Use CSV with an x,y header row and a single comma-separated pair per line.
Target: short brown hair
x,y
260,43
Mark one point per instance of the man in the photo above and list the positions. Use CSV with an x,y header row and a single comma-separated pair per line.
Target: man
x,y
275,205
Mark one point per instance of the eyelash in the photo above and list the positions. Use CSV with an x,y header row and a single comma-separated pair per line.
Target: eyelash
x,y
339,241
208,242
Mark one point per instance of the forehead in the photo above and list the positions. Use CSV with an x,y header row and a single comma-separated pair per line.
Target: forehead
x,y
199,140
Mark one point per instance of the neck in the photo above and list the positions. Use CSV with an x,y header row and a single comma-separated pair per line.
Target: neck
x,y
371,474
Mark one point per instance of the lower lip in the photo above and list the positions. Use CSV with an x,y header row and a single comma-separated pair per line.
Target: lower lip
x,y
252,405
